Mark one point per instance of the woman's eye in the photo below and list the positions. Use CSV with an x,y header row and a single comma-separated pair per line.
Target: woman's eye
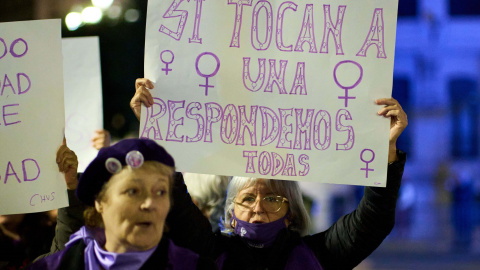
x,y
249,199
131,191
161,192
270,198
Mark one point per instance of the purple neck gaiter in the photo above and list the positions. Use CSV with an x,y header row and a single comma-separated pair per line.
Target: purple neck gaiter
x,y
259,235
96,258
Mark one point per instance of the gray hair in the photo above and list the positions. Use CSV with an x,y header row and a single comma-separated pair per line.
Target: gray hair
x,y
207,189
299,218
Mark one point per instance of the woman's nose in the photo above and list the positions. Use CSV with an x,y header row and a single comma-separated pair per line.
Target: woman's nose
x,y
258,207
147,203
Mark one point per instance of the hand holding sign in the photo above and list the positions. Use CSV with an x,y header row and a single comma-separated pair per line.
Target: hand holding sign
x,y
398,122
142,95
68,163
101,139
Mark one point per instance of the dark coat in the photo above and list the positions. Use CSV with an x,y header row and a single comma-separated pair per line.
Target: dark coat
x,y
343,246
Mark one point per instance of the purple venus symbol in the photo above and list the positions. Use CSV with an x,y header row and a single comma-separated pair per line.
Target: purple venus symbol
x,y
166,69
366,169
206,85
346,88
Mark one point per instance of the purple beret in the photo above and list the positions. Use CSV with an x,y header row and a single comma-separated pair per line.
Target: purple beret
x,y
97,173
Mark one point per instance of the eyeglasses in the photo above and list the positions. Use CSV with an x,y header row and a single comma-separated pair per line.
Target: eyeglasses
x,y
270,203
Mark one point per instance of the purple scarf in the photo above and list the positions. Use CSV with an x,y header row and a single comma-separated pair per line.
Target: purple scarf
x,y
259,235
97,258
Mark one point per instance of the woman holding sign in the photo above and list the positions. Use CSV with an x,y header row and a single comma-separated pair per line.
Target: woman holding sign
x,y
266,222
127,190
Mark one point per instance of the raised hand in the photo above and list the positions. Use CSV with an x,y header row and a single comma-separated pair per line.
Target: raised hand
x,y
398,122
101,139
67,163
142,95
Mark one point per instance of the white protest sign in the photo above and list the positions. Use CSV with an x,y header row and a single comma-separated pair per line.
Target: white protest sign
x,y
31,116
272,89
83,96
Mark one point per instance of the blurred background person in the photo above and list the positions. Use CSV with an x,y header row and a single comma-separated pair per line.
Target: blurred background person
x,y
405,208
461,187
208,193
23,237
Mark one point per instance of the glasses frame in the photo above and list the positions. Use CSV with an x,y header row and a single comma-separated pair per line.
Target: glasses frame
x,y
284,201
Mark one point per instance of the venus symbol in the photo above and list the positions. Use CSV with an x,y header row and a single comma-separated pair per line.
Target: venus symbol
x,y
346,88
206,76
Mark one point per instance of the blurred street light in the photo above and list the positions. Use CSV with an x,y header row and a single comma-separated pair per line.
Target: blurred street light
x,y
73,20
91,15
132,15
102,4
114,12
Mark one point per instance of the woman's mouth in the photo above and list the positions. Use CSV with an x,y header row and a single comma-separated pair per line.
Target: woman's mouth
x,y
144,224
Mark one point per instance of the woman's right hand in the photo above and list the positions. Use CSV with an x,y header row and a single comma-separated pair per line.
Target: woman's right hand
x,y
142,95
101,138
67,163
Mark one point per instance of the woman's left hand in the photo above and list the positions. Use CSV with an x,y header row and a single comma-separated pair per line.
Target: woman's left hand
x,y
67,163
398,122
101,139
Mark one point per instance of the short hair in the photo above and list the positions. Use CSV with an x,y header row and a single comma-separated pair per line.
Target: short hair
x,y
93,218
299,218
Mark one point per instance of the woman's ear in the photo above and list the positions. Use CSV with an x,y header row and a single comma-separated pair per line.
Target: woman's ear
x,y
233,223
98,207
288,219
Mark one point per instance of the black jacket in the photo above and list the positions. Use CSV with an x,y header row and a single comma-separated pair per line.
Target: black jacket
x,y
343,246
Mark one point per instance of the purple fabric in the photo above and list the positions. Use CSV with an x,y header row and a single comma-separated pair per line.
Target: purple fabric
x,y
97,258
50,262
178,258
259,235
181,258
301,257
221,260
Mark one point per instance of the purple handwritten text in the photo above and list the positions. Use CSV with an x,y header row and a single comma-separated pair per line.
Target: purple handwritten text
x,y
29,167
288,128
40,199
271,163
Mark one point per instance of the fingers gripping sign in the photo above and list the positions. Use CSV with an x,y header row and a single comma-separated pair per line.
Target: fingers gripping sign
x,y
142,95
67,162
398,117
101,138
398,122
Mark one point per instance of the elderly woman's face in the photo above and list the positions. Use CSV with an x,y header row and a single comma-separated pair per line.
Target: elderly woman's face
x,y
258,214
134,209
